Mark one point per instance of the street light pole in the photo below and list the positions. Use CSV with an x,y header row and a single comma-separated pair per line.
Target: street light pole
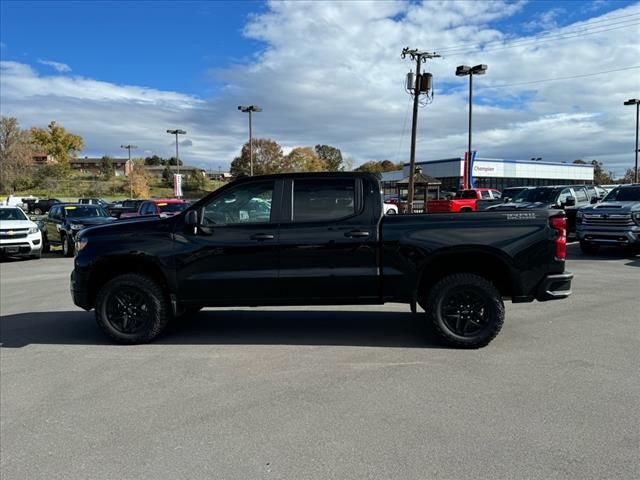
x,y
177,132
636,102
250,109
129,147
462,71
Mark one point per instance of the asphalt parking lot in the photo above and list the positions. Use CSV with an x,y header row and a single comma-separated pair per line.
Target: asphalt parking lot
x,y
322,393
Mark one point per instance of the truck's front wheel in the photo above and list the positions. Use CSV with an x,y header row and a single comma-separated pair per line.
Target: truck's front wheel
x,y
132,308
466,310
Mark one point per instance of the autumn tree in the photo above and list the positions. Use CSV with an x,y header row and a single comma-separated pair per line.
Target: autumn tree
x,y
376,166
628,176
267,158
139,179
304,159
195,181
16,153
107,168
154,161
56,141
331,156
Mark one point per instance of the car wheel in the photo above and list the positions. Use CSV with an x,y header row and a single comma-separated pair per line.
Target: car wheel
x,y
465,210
46,246
466,310
589,248
132,308
67,246
37,211
36,256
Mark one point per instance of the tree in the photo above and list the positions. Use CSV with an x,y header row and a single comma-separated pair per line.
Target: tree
x,y
376,166
139,179
154,161
195,181
304,159
267,158
107,168
16,153
600,177
332,157
56,141
173,162
167,176
628,176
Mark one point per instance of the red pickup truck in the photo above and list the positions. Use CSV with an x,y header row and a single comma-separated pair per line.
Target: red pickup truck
x,y
464,202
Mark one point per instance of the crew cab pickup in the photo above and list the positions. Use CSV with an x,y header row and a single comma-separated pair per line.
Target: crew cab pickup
x,y
318,239
465,202
615,221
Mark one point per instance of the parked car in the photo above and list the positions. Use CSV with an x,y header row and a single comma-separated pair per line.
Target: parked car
x,y
93,201
19,236
41,206
162,207
324,241
466,201
563,197
615,221
126,206
66,220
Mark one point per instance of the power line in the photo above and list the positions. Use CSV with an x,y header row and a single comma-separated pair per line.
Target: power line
x,y
536,42
558,78
547,33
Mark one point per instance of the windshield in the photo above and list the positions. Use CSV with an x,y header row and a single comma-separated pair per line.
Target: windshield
x,y
85,211
12,214
623,194
172,207
542,195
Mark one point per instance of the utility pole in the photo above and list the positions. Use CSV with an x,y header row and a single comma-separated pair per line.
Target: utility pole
x,y
129,147
420,86
177,132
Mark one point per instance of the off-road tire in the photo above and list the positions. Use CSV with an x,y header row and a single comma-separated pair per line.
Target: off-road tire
x,y
589,248
156,298
37,211
478,287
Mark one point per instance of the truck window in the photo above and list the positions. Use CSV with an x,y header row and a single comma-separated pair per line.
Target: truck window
x,y
468,194
581,195
248,203
485,194
323,199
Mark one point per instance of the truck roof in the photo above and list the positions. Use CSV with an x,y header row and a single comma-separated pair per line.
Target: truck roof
x,y
310,174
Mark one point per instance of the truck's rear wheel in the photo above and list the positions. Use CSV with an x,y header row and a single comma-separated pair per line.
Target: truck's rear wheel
x,y
67,246
37,211
466,310
132,308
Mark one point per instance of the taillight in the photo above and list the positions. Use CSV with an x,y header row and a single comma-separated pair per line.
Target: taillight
x,y
560,225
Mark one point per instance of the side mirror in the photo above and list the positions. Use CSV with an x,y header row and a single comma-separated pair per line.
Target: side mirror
x,y
570,202
506,199
191,218
594,200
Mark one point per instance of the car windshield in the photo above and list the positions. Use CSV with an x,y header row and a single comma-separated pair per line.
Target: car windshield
x,y
534,195
12,214
623,194
172,207
74,211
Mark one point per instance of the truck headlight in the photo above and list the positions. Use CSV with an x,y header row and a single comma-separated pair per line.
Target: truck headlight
x,y
579,216
80,244
33,230
636,217
75,226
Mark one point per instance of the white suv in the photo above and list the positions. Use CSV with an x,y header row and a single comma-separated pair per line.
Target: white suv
x,y
19,236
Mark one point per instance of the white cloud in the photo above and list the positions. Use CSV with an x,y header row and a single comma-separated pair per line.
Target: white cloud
x,y
331,72
57,66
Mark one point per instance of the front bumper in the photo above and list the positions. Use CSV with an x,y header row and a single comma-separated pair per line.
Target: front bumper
x,y
29,245
609,236
79,295
554,287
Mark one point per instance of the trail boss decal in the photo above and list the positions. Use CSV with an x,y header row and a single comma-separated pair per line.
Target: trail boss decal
x,y
520,216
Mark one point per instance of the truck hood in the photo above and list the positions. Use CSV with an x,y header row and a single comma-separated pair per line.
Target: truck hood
x,y
90,221
16,224
612,207
116,227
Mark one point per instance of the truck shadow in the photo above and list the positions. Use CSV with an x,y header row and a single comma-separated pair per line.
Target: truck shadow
x,y
234,327
605,253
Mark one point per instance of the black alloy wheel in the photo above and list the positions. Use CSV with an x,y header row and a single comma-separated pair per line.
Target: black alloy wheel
x,y
466,310
132,308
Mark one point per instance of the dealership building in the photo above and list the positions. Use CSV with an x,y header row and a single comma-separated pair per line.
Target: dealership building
x,y
498,173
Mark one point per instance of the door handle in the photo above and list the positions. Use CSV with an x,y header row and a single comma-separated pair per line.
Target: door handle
x,y
262,236
356,234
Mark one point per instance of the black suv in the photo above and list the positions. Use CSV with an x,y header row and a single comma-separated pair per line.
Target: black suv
x,y
65,220
38,207
615,221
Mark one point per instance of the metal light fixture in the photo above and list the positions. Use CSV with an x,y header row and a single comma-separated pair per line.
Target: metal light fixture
x,y
250,109
636,102
177,132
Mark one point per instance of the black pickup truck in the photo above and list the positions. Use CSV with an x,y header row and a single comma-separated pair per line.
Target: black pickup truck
x,y
318,239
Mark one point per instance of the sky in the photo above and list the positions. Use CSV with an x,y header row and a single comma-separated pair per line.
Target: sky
x,y
327,72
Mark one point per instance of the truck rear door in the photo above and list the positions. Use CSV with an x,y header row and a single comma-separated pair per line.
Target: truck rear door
x,y
328,241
